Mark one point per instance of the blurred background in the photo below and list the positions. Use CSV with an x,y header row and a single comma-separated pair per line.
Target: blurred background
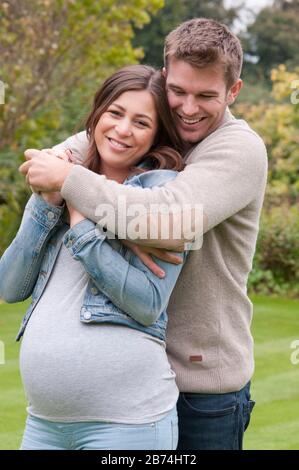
x,y
53,56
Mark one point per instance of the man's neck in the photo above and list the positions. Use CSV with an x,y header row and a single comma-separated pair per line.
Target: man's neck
x,y
188,146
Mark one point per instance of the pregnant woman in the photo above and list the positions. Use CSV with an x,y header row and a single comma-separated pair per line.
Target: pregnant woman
x,y
93,360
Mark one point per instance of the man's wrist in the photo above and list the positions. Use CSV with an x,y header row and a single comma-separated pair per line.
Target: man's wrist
x,y
64,174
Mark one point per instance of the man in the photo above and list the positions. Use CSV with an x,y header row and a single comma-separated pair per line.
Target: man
x,y
209,343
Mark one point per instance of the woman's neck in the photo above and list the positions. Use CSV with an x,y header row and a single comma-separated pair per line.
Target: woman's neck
x,y
118,175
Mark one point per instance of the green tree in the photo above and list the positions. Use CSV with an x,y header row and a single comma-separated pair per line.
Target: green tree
x,y
151,37
48,48
54,54
273,37
276,266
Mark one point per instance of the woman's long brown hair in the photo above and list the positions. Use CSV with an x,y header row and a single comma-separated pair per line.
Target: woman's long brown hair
x,y
165,151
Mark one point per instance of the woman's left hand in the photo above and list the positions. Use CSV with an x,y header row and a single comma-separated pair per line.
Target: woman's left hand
x,y
75,216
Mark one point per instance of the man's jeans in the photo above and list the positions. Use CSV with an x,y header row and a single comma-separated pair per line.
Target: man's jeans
x,y
213,421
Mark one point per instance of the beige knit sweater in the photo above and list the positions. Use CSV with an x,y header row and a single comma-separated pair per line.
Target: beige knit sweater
x,y
209,342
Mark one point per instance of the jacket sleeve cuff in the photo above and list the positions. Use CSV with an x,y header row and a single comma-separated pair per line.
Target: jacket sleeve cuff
x,y
83,232
43,212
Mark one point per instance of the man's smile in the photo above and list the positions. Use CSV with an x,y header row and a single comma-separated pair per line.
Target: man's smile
x,y
190,121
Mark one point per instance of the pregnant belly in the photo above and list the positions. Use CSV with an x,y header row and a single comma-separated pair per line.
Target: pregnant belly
x,y
98,370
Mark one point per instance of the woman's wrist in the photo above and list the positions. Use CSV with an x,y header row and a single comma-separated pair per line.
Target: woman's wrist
x,y
75,219
52,198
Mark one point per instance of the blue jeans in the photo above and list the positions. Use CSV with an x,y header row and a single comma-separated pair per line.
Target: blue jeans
x,y
40,434
213,421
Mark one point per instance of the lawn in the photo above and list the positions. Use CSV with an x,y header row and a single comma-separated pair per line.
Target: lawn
x,y
275,386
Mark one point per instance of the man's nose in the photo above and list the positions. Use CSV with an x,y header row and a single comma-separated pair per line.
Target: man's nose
x,y
190,106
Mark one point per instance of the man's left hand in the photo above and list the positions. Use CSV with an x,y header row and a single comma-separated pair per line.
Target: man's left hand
x,y
43,171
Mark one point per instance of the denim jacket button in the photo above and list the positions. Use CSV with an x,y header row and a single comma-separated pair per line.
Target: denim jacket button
x,y
87,315
69,243
94,291
51,215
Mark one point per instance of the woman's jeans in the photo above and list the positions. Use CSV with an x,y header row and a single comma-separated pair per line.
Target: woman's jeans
x,y
213,421
48,435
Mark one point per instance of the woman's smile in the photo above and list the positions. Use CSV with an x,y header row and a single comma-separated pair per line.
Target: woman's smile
x,y
118,145
124,134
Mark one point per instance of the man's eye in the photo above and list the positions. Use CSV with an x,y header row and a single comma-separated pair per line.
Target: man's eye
x,y
179,93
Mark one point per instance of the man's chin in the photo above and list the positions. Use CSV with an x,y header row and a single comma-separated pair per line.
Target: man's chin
x,y
192,138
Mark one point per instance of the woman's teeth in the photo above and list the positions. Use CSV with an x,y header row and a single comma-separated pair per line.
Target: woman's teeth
x,y
118,144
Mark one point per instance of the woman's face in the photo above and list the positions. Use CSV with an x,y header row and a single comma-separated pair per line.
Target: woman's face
x,y
126,131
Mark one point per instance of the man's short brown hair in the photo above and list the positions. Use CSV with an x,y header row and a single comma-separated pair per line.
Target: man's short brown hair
x,y
202,42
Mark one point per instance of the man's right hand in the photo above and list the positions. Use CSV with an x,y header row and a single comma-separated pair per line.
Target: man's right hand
x,y
54,198
145,254
45,174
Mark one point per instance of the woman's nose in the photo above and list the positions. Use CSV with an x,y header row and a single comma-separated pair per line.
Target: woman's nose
x,y
123,128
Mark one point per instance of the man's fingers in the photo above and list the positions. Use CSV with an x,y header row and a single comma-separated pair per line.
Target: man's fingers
x,y
31,153
62,154
147,260
167,256
24,168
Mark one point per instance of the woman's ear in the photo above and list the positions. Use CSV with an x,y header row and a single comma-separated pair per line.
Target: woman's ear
x,y
164,73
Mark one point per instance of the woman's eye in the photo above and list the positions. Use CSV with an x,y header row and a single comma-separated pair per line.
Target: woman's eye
x,y
114,112
142,123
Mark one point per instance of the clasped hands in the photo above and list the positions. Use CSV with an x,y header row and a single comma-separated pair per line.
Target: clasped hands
x,y
45,171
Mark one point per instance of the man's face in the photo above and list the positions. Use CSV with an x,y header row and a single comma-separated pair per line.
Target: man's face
x,y
198,98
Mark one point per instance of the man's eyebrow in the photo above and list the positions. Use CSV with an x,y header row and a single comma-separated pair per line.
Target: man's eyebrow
x,y
139,114
177,87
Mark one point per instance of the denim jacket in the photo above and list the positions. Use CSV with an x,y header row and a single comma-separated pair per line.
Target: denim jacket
x,y
121,289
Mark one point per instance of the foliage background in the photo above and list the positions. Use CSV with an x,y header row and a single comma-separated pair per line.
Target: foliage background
x,y
54,54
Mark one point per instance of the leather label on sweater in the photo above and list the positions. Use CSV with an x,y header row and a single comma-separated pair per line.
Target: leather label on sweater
x,y
195,358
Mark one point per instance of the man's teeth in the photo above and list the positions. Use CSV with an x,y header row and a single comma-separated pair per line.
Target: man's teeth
x,y
118,144
190,121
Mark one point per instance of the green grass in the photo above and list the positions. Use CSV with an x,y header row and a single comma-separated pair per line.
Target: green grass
x,y
12,398
275,386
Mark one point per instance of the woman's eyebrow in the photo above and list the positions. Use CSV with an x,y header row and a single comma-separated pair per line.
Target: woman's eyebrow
x,y
139,114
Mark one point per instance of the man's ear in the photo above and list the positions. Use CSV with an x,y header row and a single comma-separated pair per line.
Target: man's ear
x,y
234,91
164,73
